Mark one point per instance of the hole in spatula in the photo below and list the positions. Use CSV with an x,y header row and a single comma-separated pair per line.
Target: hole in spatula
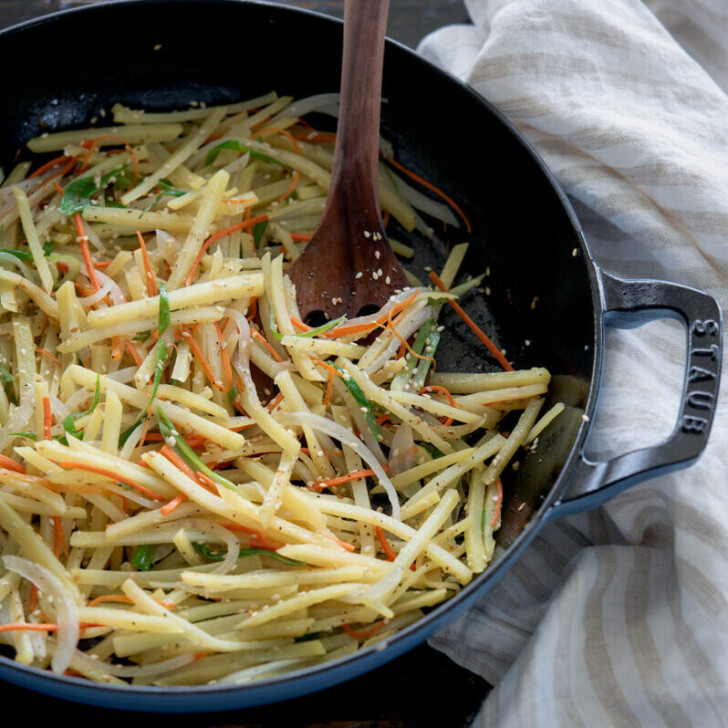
x,y
316,319
368,310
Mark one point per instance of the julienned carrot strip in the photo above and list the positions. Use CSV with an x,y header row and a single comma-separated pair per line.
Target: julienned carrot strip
x,y
319,485
177,461
62,172
386,547
197,352
300,237
47,418
274,402
329,367
294,183
299,324
257,335
258,540
111,474
226,366
178,500
221,234
194,441
344,545
404,342
59,537
47,353
207,482
366,633
39,626
110,598
451,400
152,289
138,449
282,132
430,186
85,252
497,353
116,352
49,165
441,390
329,387
498,505
90,144
29,626
134,353
83,290
360,328
10,464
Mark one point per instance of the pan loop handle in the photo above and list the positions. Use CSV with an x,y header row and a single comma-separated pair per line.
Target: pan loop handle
x,y
627,304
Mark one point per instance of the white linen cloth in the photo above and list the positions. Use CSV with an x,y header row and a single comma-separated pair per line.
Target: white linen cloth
x,y
619,616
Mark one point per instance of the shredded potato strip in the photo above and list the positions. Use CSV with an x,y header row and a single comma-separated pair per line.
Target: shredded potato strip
x,y
195,484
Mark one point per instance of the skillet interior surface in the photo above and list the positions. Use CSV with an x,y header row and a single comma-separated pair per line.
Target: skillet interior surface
x,y
538,301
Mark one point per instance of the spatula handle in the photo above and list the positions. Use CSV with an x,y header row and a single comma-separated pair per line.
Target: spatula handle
x,y
365,23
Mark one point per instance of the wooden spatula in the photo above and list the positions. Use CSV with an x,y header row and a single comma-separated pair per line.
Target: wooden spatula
x,y
348,266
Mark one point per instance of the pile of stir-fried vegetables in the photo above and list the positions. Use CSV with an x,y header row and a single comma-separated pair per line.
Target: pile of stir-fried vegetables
x,y
195,485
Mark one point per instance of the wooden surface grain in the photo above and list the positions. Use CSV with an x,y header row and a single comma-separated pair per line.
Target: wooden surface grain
x,y
420,689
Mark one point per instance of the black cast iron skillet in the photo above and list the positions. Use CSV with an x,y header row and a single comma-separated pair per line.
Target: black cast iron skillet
x,y
548,304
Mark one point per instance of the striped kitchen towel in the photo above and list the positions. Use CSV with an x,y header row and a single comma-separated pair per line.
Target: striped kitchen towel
x,y
618,617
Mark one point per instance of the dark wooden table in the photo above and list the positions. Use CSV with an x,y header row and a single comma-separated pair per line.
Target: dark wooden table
x,y
423,688
409,20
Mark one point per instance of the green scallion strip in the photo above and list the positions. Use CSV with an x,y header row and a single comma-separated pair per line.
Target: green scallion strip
x,y
143,557
169,189
210,554
164,315
186,452
77,194
69,422
259,231
124,436
5,375
238,147
423,365
362,400
159,364
306,334
322,329
25,255
426,331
